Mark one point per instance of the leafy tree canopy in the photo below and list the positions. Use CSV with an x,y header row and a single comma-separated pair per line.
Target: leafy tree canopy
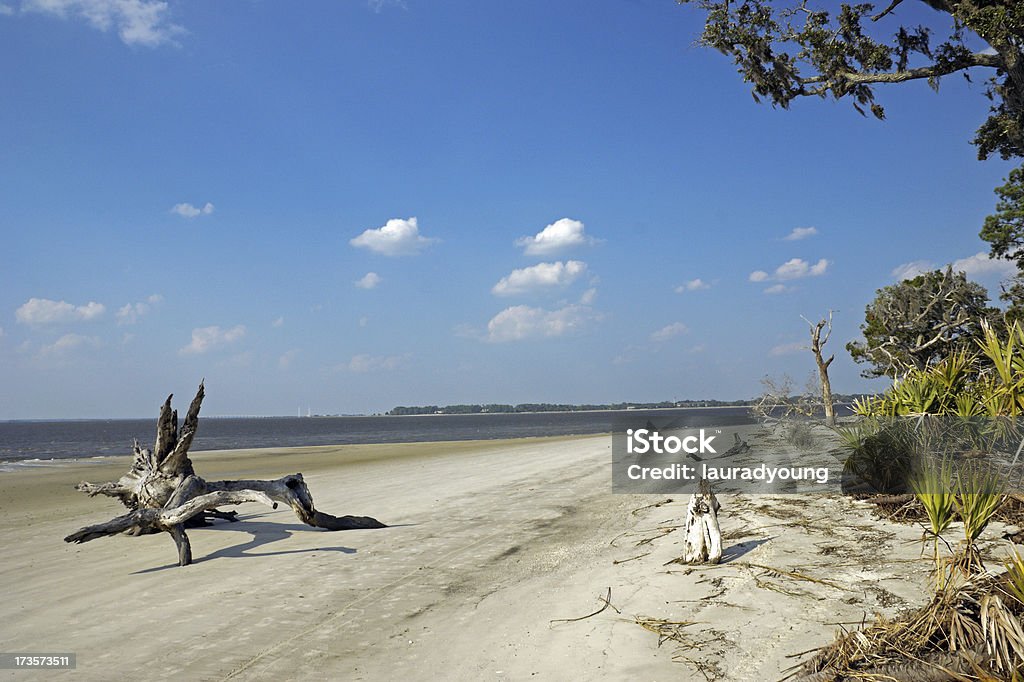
x,y
1004,231
790,49
919,322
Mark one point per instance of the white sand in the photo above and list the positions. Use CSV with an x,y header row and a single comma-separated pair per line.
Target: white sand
x,y
491,542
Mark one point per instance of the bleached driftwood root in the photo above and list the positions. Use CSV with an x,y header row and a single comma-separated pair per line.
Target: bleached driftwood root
x,y
164,494
703,536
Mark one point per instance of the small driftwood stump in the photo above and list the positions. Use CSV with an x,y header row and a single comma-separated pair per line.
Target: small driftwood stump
x,y
164,494
703,536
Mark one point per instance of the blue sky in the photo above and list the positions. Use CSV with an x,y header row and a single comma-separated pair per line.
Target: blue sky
x,y
558,202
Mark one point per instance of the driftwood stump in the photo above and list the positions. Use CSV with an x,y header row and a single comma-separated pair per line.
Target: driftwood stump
x,y
164,494
703,536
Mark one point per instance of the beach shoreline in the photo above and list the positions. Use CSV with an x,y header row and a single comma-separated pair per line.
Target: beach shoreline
x,y
496,554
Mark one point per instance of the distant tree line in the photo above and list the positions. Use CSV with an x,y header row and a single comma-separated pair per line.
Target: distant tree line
x,y
501,408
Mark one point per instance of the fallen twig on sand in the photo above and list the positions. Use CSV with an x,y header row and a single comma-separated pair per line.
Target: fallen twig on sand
x,y
665,629
673,630
639,556
651,506
789,574
607,602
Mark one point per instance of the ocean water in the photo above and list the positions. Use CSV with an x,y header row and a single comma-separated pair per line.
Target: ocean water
x,y
46,443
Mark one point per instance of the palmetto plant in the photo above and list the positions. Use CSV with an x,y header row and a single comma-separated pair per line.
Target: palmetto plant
x,y
1014,577
931,484
979,494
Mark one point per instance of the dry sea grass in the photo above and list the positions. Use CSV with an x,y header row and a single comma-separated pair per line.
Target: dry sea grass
x,y
968,631
908,509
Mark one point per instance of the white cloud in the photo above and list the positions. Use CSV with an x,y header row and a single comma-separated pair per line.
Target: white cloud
x,y
556,237
794,268
799,233
797,268
788,348
130,313
912,269
693,285
396,238
205,339
378,5
138,22
189,211
286,359
37,311
523,322
588,296
368,281
363,321
669,331
778,289
6,10
540,276
980,265
66,344
363,363
279,322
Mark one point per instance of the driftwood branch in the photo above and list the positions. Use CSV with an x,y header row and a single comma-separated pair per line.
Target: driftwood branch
x,y
703,535
163,493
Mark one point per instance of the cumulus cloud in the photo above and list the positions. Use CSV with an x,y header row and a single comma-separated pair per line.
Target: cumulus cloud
x,y
560,235
130,313
37,311
912,269
138,22
692,285
378,5
66,344
396,238
538,277
189,211
788,348
669,331
980,265
799,233
368,281
205,339
520,322
794,268
797,268
285,361
363,362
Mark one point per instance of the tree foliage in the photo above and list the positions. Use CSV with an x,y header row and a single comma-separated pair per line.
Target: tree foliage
x,y
1004,231
790,50
921,321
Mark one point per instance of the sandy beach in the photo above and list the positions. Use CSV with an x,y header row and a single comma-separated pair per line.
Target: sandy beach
x,y
490,544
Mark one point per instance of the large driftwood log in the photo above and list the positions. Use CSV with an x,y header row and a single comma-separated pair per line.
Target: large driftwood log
x,y
703,536
163,493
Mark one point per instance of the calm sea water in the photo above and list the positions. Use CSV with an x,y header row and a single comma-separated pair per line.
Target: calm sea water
x,y
47,442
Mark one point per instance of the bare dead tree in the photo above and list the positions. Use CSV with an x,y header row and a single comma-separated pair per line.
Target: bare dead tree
x,y
817,343
164,494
